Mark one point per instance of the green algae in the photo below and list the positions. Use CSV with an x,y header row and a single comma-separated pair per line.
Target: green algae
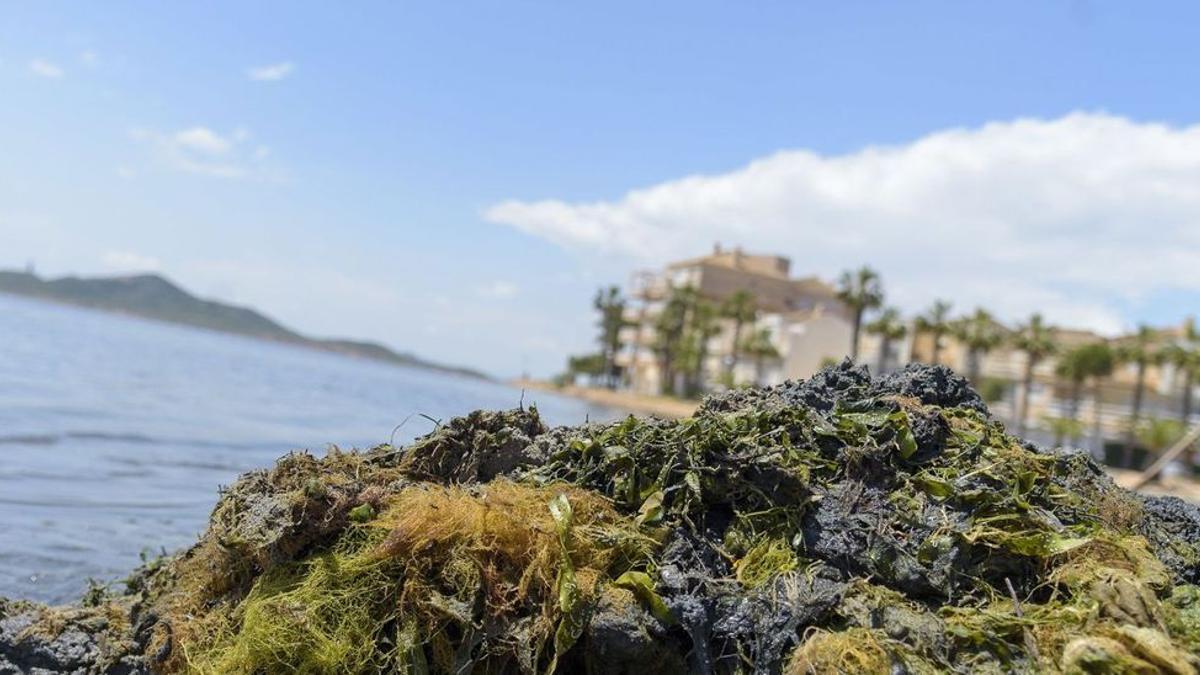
x,y
325,614
856,650
990,555
414,583
842,524
764,561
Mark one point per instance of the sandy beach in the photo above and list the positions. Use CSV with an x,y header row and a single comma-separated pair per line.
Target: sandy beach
x,y
638,404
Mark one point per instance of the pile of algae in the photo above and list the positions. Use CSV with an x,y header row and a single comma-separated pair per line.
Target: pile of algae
x,y
836,525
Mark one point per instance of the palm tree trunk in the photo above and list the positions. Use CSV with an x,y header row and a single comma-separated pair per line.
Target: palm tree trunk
x,y
608,368
758,370
1189,455
611,357
937,349
668,375
734,351
973,367
1026,387
638,348
1076,395
858,316
1097,431
613,379
1185,414
885,345
1135,414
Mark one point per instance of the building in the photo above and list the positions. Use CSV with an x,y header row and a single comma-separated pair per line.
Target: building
x,y
802,318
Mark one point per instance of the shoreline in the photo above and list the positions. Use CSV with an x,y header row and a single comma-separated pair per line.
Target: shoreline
x,y
644,404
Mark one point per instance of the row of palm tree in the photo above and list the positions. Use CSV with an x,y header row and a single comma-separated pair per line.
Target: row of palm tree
x,y
683,331
1037,340
860,290
1096,362
741,309
610,304
689,320
890,328
979,333
1087,363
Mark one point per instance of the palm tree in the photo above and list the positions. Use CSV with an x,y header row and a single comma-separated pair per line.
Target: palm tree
x,y
859,290
702,326
1036,339
1185,356
889,327
936,322
1186,359
1098,379
759,346
611,306
671,331
1091,361
1140,351
742,309
1103,367
980,333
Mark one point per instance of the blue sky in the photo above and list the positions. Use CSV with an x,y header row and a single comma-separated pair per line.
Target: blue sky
x,y
434,176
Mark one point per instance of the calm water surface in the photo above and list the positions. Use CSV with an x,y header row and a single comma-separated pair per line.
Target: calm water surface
x,y
116,432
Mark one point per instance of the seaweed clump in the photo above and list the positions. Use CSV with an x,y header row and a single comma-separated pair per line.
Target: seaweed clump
x,y
841,524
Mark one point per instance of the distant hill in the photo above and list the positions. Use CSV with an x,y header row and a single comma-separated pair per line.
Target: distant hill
x,y
154,297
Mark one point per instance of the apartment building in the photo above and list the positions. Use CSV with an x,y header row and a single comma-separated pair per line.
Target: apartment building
x,y
803,319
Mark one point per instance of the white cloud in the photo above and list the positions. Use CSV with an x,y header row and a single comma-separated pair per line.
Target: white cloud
x,y
129,261
203,140
89,58
499,290
1064,215
201,150
272,72
44,68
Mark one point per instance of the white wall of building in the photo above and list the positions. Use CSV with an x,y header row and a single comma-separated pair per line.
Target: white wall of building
x,y
813,341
